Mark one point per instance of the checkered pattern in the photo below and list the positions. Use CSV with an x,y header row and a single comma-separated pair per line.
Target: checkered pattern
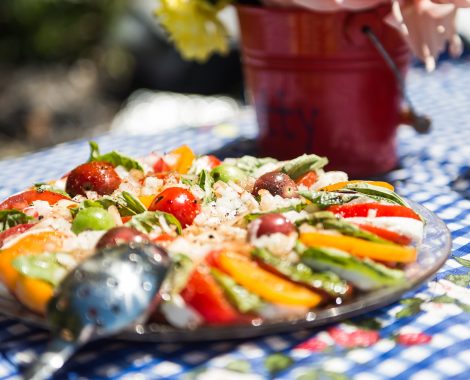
x,y
435,171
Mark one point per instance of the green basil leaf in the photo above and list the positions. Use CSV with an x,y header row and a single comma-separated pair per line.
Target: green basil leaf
x,y
126,203
255,215
94,151
187,181
324,199
133,204
375,192
300,166
11,218
46,267
250,164
205,183
150,220
39,187
115,158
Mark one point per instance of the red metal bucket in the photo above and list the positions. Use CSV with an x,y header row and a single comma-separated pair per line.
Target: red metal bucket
x,y
319,85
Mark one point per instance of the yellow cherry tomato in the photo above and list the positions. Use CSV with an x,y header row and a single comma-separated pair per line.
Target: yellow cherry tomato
x,y
184,159
146,200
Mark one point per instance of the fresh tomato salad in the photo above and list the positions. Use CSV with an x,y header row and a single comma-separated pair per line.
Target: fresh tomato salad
x,y
249,238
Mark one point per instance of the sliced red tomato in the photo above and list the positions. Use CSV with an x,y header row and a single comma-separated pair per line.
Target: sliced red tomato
x,y
308,179
204,295
212,259
26,198
386,234
125,219
376,209
16,230
179,202
161,166
163,238
212,161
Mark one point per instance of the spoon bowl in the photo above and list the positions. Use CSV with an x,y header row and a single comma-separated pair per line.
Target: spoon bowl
x,y
112,290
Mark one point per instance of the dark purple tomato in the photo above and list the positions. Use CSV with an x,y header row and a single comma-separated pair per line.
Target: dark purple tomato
x,y
92,176
276,183
121,235
270,224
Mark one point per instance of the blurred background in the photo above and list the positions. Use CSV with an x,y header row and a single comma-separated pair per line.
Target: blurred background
x,y
78,68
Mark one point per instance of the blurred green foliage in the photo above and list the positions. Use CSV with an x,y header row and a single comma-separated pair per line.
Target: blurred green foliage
x,y
54,30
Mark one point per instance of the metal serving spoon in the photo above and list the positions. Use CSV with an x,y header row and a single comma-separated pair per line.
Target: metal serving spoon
x,y
115,288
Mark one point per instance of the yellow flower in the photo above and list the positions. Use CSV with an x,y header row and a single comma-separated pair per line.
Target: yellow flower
x,y
193,26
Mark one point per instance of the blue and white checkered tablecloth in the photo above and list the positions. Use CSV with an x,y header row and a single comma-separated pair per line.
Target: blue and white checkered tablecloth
x,y
424,336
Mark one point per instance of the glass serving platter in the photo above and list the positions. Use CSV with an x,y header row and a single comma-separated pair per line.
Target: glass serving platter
x,y
432,254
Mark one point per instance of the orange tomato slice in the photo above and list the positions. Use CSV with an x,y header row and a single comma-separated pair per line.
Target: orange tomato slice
x,y
31,244
266,284
340,185
33,293
360,248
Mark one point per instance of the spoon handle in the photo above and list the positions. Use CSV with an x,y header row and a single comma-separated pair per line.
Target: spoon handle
x,y
56,354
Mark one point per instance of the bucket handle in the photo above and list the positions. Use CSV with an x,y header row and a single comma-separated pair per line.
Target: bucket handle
x,y
421,123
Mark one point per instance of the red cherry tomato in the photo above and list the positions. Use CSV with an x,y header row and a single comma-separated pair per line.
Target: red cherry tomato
x,y
213,161
161,166
308,179
378,209
92,176
26,198
179,202
204,295
16,230
386,234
